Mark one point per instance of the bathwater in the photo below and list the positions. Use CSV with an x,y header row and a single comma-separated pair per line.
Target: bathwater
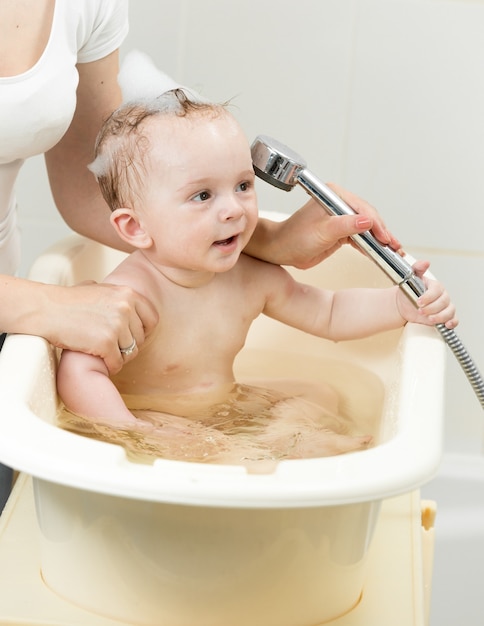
x,y
290,407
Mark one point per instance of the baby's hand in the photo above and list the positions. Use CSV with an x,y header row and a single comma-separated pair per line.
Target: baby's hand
x,y
434,306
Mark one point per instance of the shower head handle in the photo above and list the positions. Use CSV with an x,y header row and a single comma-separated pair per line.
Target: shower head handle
x,y
283,168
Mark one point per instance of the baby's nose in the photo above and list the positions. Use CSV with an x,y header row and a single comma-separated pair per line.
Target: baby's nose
x,y
231,209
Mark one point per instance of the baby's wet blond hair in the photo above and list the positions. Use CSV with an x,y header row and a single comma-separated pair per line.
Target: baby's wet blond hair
x,y
122,144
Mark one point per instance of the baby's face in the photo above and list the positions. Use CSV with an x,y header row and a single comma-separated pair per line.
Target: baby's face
x,y
199,203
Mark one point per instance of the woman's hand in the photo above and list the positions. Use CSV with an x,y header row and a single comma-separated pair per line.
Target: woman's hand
x,y
98,319
310,235
364,209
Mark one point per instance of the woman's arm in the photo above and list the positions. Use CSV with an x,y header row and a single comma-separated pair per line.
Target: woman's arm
x,y
74,187
303,240
96,319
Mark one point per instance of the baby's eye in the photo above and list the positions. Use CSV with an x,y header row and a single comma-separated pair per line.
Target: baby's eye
x,y
245,186
203,196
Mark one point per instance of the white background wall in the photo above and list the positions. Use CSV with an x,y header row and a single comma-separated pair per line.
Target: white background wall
x,y
385,97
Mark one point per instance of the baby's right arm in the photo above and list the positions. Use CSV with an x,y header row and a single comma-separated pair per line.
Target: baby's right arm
x,y
85,388
352,313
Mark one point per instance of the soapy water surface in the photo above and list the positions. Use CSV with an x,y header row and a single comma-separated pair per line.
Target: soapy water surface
x,y
254,426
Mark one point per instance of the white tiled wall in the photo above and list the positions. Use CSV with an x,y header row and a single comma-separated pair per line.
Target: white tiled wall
x,y
385,97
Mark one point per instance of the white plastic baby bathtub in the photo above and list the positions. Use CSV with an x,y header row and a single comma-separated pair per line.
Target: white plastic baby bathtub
x,y
185,543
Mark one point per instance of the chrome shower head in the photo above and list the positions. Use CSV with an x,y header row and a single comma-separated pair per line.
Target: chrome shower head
x,y
282,167
276,163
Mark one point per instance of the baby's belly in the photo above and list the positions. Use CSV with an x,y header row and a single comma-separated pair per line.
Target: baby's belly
x,y
173,391
190,403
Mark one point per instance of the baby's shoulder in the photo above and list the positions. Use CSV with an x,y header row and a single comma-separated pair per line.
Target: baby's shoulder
x,y
134,271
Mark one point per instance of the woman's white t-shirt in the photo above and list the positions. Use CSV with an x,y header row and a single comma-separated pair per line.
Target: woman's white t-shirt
x,y
36,107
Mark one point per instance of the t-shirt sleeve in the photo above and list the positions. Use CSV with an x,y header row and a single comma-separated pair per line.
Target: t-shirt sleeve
x,y
103,29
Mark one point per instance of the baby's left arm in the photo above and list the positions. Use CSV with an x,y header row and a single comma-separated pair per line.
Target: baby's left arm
x,y
434,306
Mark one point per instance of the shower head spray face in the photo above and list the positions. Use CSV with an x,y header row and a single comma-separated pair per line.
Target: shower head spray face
x,y
276,163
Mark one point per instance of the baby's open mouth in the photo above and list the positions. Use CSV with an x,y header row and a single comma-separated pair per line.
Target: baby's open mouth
x,y
225,242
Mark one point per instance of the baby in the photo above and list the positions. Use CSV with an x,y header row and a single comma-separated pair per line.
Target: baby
x,y
178,177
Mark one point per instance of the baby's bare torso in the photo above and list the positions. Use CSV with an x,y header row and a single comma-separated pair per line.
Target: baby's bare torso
x,y
189,356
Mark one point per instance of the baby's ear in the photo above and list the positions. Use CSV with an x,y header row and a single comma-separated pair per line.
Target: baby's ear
x,y
128,226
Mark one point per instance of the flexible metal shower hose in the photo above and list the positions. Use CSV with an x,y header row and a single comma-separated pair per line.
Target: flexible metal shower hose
x,y
465,360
